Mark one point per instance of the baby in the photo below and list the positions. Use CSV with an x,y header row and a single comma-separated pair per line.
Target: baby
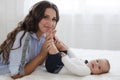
x,y
83,67
62,60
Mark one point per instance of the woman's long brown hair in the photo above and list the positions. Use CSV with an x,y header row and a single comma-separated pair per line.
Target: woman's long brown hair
x,y
29,24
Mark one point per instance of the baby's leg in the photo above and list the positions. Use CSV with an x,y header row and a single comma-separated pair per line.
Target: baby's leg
x,y
60,45
53,63
52,49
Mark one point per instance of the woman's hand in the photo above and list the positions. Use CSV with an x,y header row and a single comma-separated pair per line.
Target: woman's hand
x,y
51,45
47,41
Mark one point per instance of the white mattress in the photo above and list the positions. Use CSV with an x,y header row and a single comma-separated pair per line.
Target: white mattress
x,y
114,74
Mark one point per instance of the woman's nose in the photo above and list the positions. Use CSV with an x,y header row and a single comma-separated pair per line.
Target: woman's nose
x,y
50,22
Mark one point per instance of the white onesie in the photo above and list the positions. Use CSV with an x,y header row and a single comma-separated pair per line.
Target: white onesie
x,y
73,65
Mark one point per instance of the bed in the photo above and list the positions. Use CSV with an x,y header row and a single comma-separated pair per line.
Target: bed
x,y
114,74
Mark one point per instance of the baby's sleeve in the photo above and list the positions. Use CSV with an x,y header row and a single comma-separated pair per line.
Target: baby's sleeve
x,y
71,54
76,68
15,55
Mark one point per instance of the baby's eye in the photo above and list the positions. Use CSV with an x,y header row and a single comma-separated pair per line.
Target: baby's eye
x,y
97,61
99,67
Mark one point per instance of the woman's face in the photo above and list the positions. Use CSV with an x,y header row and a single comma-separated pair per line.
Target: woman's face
x,y
48,21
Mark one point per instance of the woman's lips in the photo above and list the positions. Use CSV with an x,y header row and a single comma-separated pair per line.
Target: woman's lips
x,y
48,28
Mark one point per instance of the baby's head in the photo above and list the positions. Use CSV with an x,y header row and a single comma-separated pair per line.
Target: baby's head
x,y
99,66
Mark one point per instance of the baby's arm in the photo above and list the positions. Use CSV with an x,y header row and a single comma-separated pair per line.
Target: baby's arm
x,y
79,69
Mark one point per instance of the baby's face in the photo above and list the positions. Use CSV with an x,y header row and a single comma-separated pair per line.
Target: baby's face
x,y
98,66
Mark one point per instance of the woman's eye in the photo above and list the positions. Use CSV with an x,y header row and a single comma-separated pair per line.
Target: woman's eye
x,y
99,67
54,19
44,16
97,61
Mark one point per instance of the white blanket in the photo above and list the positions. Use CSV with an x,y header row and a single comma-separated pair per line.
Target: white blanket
x,y
114,74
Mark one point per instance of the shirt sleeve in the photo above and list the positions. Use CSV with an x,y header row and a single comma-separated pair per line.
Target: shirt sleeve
x,y
79,69
15,55
71,54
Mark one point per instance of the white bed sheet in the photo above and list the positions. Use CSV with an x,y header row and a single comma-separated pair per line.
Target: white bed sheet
x,y
114,74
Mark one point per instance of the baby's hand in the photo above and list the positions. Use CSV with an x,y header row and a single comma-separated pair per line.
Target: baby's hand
x,y
63,54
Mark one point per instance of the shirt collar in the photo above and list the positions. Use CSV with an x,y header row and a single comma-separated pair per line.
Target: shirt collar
x,y
35,36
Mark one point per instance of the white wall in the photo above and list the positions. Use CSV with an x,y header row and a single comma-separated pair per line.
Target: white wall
x,y
11,12
83,30
79,32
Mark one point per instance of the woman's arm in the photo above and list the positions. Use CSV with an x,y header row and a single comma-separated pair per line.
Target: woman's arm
x,y
31,66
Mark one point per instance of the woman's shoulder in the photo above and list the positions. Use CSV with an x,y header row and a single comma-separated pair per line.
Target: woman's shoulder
x,y
19,34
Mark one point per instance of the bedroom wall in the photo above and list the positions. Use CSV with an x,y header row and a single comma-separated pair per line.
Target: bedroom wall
x,y
83,30
11,12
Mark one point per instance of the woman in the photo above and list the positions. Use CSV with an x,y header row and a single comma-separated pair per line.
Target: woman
x,y
42,18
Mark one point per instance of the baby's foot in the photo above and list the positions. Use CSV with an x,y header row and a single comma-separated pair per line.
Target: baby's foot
x,y
52,49
60,45
63,54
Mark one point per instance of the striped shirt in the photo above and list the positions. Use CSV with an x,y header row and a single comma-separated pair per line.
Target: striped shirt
x,y
33,49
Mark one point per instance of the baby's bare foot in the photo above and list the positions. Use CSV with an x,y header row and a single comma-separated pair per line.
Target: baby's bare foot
x,y
63,54
61,46
52,49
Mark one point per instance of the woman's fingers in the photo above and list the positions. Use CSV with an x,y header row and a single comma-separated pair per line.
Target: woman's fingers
x,y
54,32
49,46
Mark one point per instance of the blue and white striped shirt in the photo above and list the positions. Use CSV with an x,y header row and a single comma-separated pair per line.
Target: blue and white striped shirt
x,y
33,49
